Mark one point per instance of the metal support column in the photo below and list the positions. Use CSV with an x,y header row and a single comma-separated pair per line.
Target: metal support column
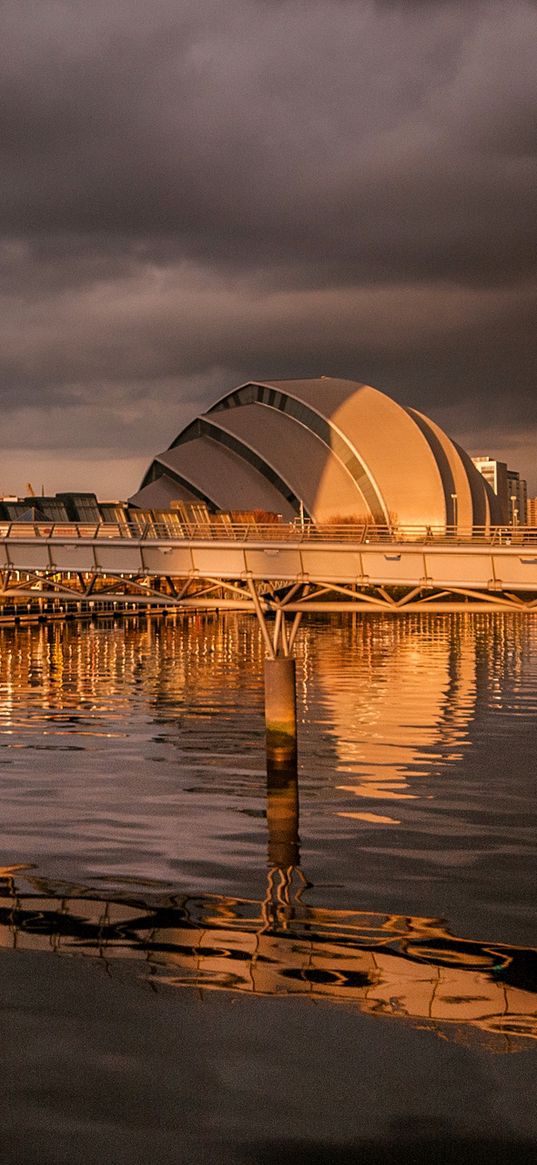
x,y
280,688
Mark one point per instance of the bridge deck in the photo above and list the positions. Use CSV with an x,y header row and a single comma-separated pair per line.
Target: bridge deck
x,y
321,566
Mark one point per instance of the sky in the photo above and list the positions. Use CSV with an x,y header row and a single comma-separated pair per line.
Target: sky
x,y
196,193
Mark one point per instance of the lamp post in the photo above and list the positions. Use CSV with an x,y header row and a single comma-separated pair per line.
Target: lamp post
x,y
514,511
454,501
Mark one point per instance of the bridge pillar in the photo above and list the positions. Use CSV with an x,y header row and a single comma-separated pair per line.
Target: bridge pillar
x,y
280,686
280,711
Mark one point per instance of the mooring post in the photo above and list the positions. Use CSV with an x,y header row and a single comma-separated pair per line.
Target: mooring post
x,y
280,711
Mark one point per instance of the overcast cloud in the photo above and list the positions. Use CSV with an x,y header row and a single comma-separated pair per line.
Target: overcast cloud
x,y
195,193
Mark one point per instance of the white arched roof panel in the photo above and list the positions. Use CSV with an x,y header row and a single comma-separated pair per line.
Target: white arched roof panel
x,y
159,494
458,495
315,419
315,475
227,479
389,442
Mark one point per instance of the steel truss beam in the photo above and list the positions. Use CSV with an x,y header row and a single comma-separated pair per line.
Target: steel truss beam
x,y
246,594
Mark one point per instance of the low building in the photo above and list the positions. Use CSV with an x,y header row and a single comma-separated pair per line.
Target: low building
x,y
33,509
62,507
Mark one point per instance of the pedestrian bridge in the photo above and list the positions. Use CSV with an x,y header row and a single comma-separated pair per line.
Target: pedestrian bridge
x,y
295,566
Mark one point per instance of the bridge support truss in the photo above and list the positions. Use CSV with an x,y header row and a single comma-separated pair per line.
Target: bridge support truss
x,y
280,598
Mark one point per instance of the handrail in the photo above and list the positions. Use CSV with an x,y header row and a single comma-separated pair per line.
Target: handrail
x,y
178,530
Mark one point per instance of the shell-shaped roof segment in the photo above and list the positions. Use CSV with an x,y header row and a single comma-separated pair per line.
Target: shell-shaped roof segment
x,y
327,447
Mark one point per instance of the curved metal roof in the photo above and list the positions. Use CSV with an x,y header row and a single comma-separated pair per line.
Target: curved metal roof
x,y
334,448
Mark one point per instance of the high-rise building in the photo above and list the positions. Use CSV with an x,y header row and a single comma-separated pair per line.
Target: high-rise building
x,y
518,497
531,511
495,472
510,488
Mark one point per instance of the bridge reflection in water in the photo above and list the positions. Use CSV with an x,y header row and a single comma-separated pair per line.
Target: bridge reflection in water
x,y
385,964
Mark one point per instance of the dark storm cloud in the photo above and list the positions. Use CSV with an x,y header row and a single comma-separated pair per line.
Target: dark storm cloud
x,y
364,140
198,191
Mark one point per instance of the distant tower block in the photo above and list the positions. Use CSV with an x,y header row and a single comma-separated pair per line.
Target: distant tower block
x,y
510,488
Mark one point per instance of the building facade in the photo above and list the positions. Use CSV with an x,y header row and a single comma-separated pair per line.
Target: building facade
x,y
328,449
518,497
510,488
531,512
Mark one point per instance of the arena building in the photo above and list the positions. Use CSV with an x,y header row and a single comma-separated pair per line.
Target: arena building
x,y
326,449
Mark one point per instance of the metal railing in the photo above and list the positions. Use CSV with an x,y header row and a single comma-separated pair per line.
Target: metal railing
x,y
176,530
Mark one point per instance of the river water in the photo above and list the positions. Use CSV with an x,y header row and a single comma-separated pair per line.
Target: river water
x,y
206,965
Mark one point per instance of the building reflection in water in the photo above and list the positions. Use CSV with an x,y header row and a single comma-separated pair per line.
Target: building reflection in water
x,y
383,964
399,695
405,708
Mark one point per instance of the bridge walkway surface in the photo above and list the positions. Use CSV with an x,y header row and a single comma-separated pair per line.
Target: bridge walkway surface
x,y
240,566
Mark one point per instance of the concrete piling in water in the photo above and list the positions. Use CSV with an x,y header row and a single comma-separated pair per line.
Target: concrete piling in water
x,y
280,712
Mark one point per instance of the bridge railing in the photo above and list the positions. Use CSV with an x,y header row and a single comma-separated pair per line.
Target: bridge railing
x,y
220,528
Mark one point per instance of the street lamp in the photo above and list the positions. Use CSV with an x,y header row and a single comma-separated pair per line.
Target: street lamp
x,y
514,511
454,501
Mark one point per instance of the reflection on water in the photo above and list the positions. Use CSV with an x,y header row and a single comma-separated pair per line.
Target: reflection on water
x,y
408,702
387,965
64,678
119,747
